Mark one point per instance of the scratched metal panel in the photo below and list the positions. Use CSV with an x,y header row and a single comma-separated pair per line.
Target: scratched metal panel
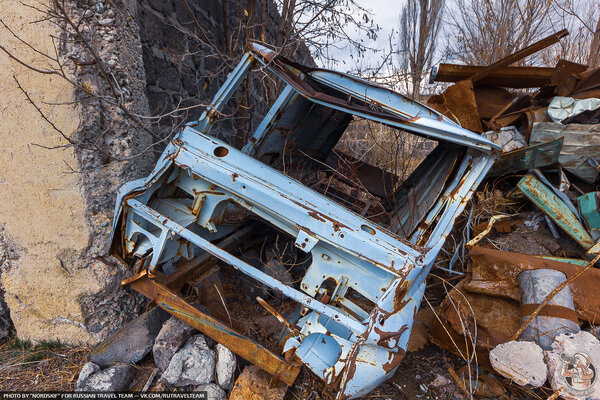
x,y
555,208
365,99
340,341
419,193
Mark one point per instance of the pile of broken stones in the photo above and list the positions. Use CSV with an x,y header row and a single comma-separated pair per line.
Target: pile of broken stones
x,y
183,357
569,365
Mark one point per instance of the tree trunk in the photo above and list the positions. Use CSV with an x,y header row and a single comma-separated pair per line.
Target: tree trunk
x,y
594,56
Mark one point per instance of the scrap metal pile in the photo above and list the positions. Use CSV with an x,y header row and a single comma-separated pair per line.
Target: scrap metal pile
x,y
339,250
517,313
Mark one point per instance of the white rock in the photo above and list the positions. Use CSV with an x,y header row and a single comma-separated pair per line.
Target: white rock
x,y
522,362
194,364
213,391
86,371
225,366
573,365
112,379
171,337
439,381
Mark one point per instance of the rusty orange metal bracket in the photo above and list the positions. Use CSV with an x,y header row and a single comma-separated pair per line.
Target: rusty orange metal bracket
x,y
236,342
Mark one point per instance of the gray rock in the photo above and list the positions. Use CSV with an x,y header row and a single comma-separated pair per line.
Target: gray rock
x,y
171,337
86,371
132,342
225,366
522,362
194,364
112,379
213,391
573,365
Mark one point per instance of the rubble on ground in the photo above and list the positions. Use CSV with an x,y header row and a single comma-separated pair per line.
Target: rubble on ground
x,y
521,362
193,364
115,378
173,334
572,365
132,342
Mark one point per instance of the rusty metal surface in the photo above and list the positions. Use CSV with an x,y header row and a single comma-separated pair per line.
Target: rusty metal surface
x,y
497,319
417,195
511,77
555,208
458,103
494,273
519,55
353,333
239,344
365,99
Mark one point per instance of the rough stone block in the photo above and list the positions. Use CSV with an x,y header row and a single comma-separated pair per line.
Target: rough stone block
x,y
573,365
213,391
112,379
194,364
87,370
171,337
225,367
522,362
132,342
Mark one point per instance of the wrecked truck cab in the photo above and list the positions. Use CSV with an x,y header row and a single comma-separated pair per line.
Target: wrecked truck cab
x,y
180,212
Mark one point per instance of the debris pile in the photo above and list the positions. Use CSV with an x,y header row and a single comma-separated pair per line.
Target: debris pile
x,y
523,306
295,254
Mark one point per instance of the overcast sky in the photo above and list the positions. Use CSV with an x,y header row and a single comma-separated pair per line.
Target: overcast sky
x,y
386,14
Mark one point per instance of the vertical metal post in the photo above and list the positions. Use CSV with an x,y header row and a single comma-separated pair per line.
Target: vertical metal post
x,y
233,81
266,124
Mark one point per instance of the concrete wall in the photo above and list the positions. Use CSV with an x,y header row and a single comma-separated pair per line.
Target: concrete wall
x,y
185,67
56,204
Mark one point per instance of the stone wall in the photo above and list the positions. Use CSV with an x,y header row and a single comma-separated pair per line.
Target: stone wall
x,y
186,66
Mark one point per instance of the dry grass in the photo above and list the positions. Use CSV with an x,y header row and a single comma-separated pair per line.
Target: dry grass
x,y
46,366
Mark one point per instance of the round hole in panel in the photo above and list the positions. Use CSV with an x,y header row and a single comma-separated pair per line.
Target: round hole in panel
x,y
221,151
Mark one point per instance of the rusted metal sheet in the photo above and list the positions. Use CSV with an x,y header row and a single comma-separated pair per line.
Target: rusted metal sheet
x,y
467,318
485,306
581,143
458,102
519,55
365,99
494,272
419,193
239,344
555,208
510,77
179,212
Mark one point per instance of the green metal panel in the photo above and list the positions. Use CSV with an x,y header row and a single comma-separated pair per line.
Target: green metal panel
x,y
575,261
555,208
589,208
537,156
